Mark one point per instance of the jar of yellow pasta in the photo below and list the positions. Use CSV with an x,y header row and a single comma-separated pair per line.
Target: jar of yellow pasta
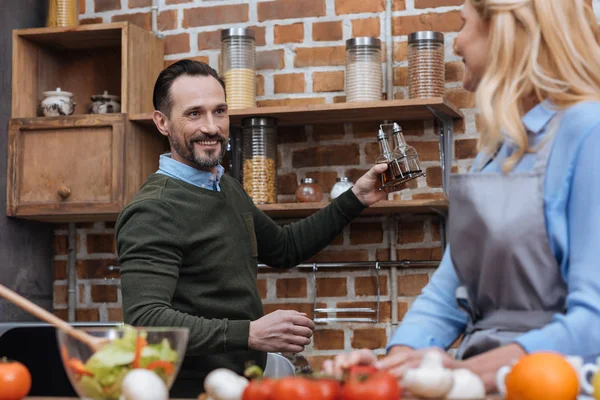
x,y
259,154
238,66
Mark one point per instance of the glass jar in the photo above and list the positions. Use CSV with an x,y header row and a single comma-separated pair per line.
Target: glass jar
x,y
341,185
309,191
238,66
426,68
364,80
259,154
63,13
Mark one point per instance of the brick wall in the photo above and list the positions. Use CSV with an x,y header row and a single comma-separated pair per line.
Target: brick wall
x,y
300,50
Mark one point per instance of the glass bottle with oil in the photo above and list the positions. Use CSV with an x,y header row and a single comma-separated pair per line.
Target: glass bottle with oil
x,y
406,155
388,176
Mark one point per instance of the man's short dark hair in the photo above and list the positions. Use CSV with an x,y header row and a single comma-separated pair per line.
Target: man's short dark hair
x,y
162,95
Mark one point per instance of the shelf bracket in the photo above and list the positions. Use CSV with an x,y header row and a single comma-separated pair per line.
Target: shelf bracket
x,y
446,145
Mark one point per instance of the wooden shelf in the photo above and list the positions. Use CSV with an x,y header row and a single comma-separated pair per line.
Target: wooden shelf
x,y
82,37
386,207
396,110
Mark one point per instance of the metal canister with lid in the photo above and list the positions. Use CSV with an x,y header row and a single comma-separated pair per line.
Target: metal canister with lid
x,y
259,173
364,80
426,68
238,66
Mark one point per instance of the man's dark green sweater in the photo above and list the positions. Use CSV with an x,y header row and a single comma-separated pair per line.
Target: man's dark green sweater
x,y
189,258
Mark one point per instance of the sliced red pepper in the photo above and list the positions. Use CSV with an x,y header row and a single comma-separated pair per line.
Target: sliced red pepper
x,y
140,343
165,365
78,367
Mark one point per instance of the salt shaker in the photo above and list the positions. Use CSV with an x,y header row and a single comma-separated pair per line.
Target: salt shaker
x,y
341,185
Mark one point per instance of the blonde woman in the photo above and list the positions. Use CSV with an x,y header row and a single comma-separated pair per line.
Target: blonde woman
x,y
522,269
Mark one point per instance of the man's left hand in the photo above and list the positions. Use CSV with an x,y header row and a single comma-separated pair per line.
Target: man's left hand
x,y
365,188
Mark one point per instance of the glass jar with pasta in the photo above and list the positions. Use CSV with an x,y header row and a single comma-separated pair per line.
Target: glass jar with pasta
x,y
259,171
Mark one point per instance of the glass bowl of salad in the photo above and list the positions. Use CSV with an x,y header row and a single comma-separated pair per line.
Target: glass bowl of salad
x,y
99,374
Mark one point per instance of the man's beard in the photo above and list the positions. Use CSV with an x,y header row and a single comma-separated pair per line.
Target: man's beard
x,y
211,159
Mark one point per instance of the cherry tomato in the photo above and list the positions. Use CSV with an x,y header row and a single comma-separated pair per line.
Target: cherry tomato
x,y
258,389
374,386
15,380
295,388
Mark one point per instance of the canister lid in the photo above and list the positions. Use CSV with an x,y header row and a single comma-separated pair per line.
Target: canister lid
x,y
308,180
342,179
363,41
429,36
259,121
225,33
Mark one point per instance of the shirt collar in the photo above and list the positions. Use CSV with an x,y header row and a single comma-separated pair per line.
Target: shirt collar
x,y
538,117
181,171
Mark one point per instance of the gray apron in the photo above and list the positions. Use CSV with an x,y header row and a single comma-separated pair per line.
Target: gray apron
x,y
511,280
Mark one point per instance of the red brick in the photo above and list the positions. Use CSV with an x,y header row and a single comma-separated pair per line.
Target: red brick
x,y
62,314
455,71
177,43
347,154
429,150
209,40
260,85
399,5
135,3
367,285
411,231
332,287
340,256
328,339
291,287
289,83
437,3
372,338
284,9
411,285
403,307
328,132
382,255
96,269
61,245
81,293
328,81
291,102
385,309
366,27
434,176
401,76
167,20
106,5
81,7
366,233
461,98
325,179
421,254
435,231
203,59
291,134
100,243
104,294
441,22
359,6
327,31
218,15
316,362
87,315
89,21
60,294
143,20
60,270
115,314
320,56
465,149
292,33
261,284
259,35
270,59
287,184
401,51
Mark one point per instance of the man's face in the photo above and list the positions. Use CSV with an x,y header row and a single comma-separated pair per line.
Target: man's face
x,y
198,128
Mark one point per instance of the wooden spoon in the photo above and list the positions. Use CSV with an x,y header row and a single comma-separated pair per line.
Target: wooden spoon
x,y
93,342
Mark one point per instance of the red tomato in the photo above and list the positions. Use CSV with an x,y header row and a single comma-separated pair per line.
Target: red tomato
x,y
15,380
361,370
377,386
330,389
295,388
258,389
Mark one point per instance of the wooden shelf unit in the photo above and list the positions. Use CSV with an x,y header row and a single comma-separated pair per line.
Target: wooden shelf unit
x,y
396,110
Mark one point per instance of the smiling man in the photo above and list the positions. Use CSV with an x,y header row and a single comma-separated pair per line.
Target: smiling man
x,y
190,241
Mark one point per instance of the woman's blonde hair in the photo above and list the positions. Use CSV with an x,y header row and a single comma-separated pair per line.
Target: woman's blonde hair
x,y
543,48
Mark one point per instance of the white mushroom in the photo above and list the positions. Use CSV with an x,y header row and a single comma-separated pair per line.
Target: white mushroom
x,y
467,386
224,384
430,380
143,384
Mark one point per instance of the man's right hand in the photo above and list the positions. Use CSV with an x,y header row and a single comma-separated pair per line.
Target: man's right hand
x,y
285,331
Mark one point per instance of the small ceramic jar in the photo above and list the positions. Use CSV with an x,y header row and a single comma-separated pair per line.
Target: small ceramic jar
x,y
105,104
309,191
341,185
57,103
